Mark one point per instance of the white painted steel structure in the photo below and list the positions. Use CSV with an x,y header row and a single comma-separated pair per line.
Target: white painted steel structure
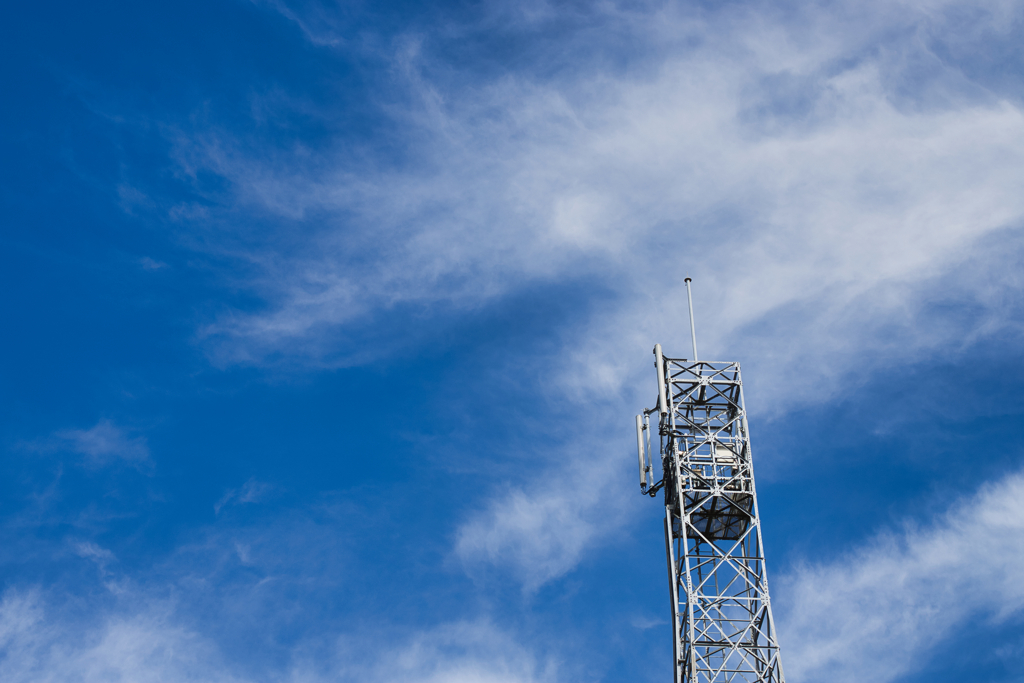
x,y
723,630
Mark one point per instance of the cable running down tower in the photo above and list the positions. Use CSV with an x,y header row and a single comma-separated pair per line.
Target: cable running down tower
x,y
723,630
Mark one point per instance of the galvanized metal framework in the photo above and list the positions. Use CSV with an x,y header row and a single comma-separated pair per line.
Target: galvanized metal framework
x,y
722,621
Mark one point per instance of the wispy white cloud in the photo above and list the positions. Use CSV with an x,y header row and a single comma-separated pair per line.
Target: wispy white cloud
x,y
459,652
146,640
94,552
147,263
874,613
105,443
251,491
320,24
822,172
38,645
794,165
538,535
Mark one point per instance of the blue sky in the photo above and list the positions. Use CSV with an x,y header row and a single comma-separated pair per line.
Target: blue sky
x,y
326,324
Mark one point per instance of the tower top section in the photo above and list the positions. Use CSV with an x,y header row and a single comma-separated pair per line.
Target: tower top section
x,y
723,628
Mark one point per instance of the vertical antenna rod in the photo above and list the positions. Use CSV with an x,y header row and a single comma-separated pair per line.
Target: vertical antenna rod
x,y
693,330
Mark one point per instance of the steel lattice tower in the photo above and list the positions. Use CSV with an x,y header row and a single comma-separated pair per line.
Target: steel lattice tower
x,y
723,630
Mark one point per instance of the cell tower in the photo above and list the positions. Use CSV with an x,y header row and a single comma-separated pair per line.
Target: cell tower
x,y
723,630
